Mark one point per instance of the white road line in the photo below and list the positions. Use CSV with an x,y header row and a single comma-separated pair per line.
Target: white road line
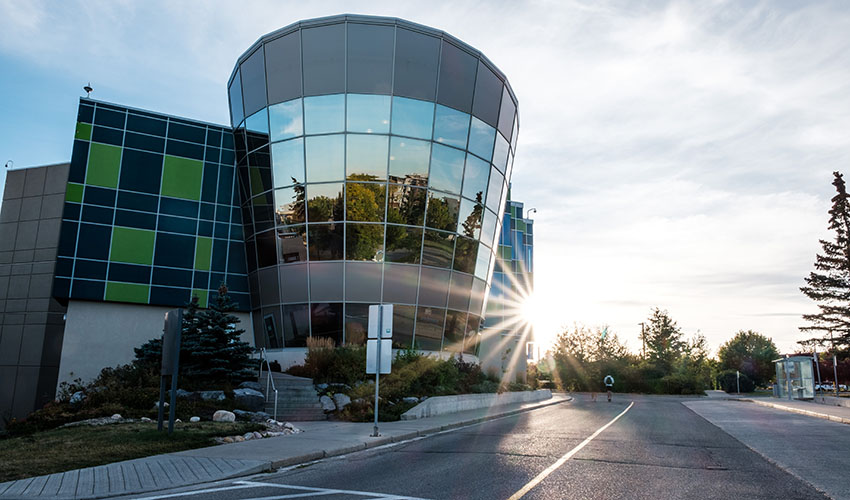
x,y
198,492
321,491
540,477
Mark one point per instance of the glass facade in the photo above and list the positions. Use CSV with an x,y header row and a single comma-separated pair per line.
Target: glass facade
x,y
151,215
372,163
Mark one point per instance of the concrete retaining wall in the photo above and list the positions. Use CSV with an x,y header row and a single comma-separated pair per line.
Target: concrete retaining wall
x,y
832,401
441,405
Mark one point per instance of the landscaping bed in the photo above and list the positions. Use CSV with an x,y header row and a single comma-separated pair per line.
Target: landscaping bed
x,y
68,448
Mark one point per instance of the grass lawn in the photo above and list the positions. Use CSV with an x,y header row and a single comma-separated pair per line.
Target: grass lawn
x,y
59,450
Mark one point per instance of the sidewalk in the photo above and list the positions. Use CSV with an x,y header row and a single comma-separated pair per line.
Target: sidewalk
x,y
173,470
839,414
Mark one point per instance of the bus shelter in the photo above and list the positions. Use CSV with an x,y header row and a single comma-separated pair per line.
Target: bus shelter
x,y
794,378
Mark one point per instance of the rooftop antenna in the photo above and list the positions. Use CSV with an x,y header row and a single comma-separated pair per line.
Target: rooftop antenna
x,y
88,90
10,164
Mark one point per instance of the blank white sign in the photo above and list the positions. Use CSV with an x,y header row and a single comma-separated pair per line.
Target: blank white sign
x,y
372,356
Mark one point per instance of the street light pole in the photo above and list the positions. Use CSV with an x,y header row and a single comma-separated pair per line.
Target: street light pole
x,y
834,364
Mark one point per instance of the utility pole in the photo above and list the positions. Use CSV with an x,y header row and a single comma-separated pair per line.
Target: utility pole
x,y
834,364
642,340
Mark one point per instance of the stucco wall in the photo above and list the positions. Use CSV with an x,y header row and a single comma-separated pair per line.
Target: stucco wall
x,y
101,334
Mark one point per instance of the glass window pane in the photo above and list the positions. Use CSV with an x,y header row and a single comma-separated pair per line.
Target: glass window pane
x,y
266,249
481,138
482,262
362,284
416,57
357,317
457,78
283,65
466,251
506,115
403,317
365,201
258,123
475,178
515,134
325,158
324,114
404,244
488,228
459,291
289,205
494,190
296,325
326,281
412,117
471,339
469,222
438,248
286,120
370,58
442,211
429,328
293,281
409,161
364,242
326,320
446,169
488,95
406,205
455,326
323,49
292,242
324,202
500,153
368,113
288,162
366,157
235,92
325,241
254,82
400,284
451,127
433,287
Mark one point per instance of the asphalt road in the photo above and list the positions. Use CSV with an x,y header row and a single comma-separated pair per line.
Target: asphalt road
x,y
657,449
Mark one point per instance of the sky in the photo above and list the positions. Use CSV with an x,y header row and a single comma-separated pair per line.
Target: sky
x,y
679,154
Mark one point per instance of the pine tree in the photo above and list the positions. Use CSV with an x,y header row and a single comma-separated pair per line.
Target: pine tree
x,y
664,343
829,283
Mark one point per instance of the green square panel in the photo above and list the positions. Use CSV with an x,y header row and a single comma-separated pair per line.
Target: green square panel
x,y
74,192
203,252
181,178
202,295
133,246
127,292
104,161
83,131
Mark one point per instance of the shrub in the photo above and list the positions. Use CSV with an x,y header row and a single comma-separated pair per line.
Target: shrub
x,y
727,380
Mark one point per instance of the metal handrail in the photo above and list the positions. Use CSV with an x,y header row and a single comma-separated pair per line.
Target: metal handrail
x,y
269,379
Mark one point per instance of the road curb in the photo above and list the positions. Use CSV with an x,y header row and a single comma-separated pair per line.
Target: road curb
x,y
825,416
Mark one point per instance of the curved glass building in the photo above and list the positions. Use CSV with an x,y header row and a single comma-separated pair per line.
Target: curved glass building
x,y
374,157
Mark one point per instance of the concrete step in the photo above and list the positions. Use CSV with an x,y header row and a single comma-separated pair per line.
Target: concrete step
x,y
300,417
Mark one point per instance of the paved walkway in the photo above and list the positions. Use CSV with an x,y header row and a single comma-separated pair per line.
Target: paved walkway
x,y
828,412
319,440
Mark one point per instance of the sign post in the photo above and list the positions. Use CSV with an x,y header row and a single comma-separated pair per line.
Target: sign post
x,y
170,365
379,348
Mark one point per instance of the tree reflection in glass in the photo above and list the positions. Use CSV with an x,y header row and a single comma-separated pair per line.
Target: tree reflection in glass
x,y
289,205
475,177
404,244
409,161
442,211
365,201
325,241
438,248
364,242
324,202
466,251
471,213
406,205
288,162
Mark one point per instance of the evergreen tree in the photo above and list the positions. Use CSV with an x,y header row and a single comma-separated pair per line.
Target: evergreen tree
x,y
829,283
663,340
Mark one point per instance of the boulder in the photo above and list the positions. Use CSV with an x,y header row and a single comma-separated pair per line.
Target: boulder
x,y
181,394
248,436
327,403
341,400
321,387
249,399
252,416
211,395
410,400
250,384
224,416
77,398
195,419
116,416
146,419
257,435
